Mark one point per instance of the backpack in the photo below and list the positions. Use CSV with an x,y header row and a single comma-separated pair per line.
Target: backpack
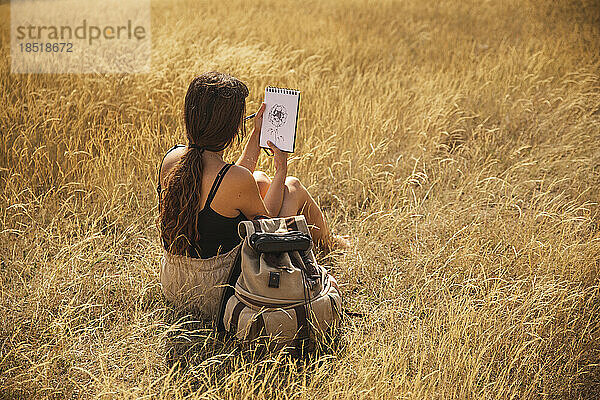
x,y
281,297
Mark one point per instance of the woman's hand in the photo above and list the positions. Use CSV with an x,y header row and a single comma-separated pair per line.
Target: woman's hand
x,y
279,158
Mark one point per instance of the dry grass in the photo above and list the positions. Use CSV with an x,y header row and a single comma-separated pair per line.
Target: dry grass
x,y
457,143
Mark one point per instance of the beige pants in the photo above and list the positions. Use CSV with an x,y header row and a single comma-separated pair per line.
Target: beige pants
x,y
194,283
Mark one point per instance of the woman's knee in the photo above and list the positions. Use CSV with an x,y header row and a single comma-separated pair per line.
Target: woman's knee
x,y
260,176
294,184
295,196
263,182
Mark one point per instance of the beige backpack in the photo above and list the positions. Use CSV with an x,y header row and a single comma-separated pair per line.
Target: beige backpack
x,y
281,295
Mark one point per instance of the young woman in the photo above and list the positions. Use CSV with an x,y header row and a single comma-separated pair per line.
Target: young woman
x,y
203,198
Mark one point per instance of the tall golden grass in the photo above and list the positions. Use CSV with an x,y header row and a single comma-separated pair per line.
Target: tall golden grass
x,y
457,143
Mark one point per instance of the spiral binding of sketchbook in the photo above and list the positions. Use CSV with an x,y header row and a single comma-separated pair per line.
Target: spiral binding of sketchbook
x,y
280,120
273,89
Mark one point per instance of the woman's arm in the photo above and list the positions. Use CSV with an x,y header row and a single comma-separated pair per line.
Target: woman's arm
x,y
248,195
251,151
274,196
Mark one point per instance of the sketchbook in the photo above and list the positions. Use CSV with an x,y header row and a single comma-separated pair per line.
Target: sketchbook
x,y
280,119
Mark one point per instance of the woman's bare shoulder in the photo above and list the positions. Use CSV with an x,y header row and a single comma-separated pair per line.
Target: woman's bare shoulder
x,y
239,183
236,190
171,158
239,175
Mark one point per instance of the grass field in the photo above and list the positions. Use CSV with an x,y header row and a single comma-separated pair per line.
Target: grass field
x,y
457,143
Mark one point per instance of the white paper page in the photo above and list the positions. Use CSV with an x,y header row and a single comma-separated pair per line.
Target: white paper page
x,y
280,118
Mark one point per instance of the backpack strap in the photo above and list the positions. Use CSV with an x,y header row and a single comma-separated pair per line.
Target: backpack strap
x,y
229,289
302,321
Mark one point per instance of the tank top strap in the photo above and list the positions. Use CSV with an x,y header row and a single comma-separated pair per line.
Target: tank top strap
x,y
216,184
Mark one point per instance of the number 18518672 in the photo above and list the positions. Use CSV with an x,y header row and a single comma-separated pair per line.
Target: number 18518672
x,y
35,47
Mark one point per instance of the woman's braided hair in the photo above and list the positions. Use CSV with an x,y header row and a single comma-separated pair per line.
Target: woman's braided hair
x,y
215,104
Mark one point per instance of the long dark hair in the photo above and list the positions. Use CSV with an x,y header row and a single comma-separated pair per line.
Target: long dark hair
x,y
215,104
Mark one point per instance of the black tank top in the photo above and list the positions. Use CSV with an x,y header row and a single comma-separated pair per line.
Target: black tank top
x,y
218,234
